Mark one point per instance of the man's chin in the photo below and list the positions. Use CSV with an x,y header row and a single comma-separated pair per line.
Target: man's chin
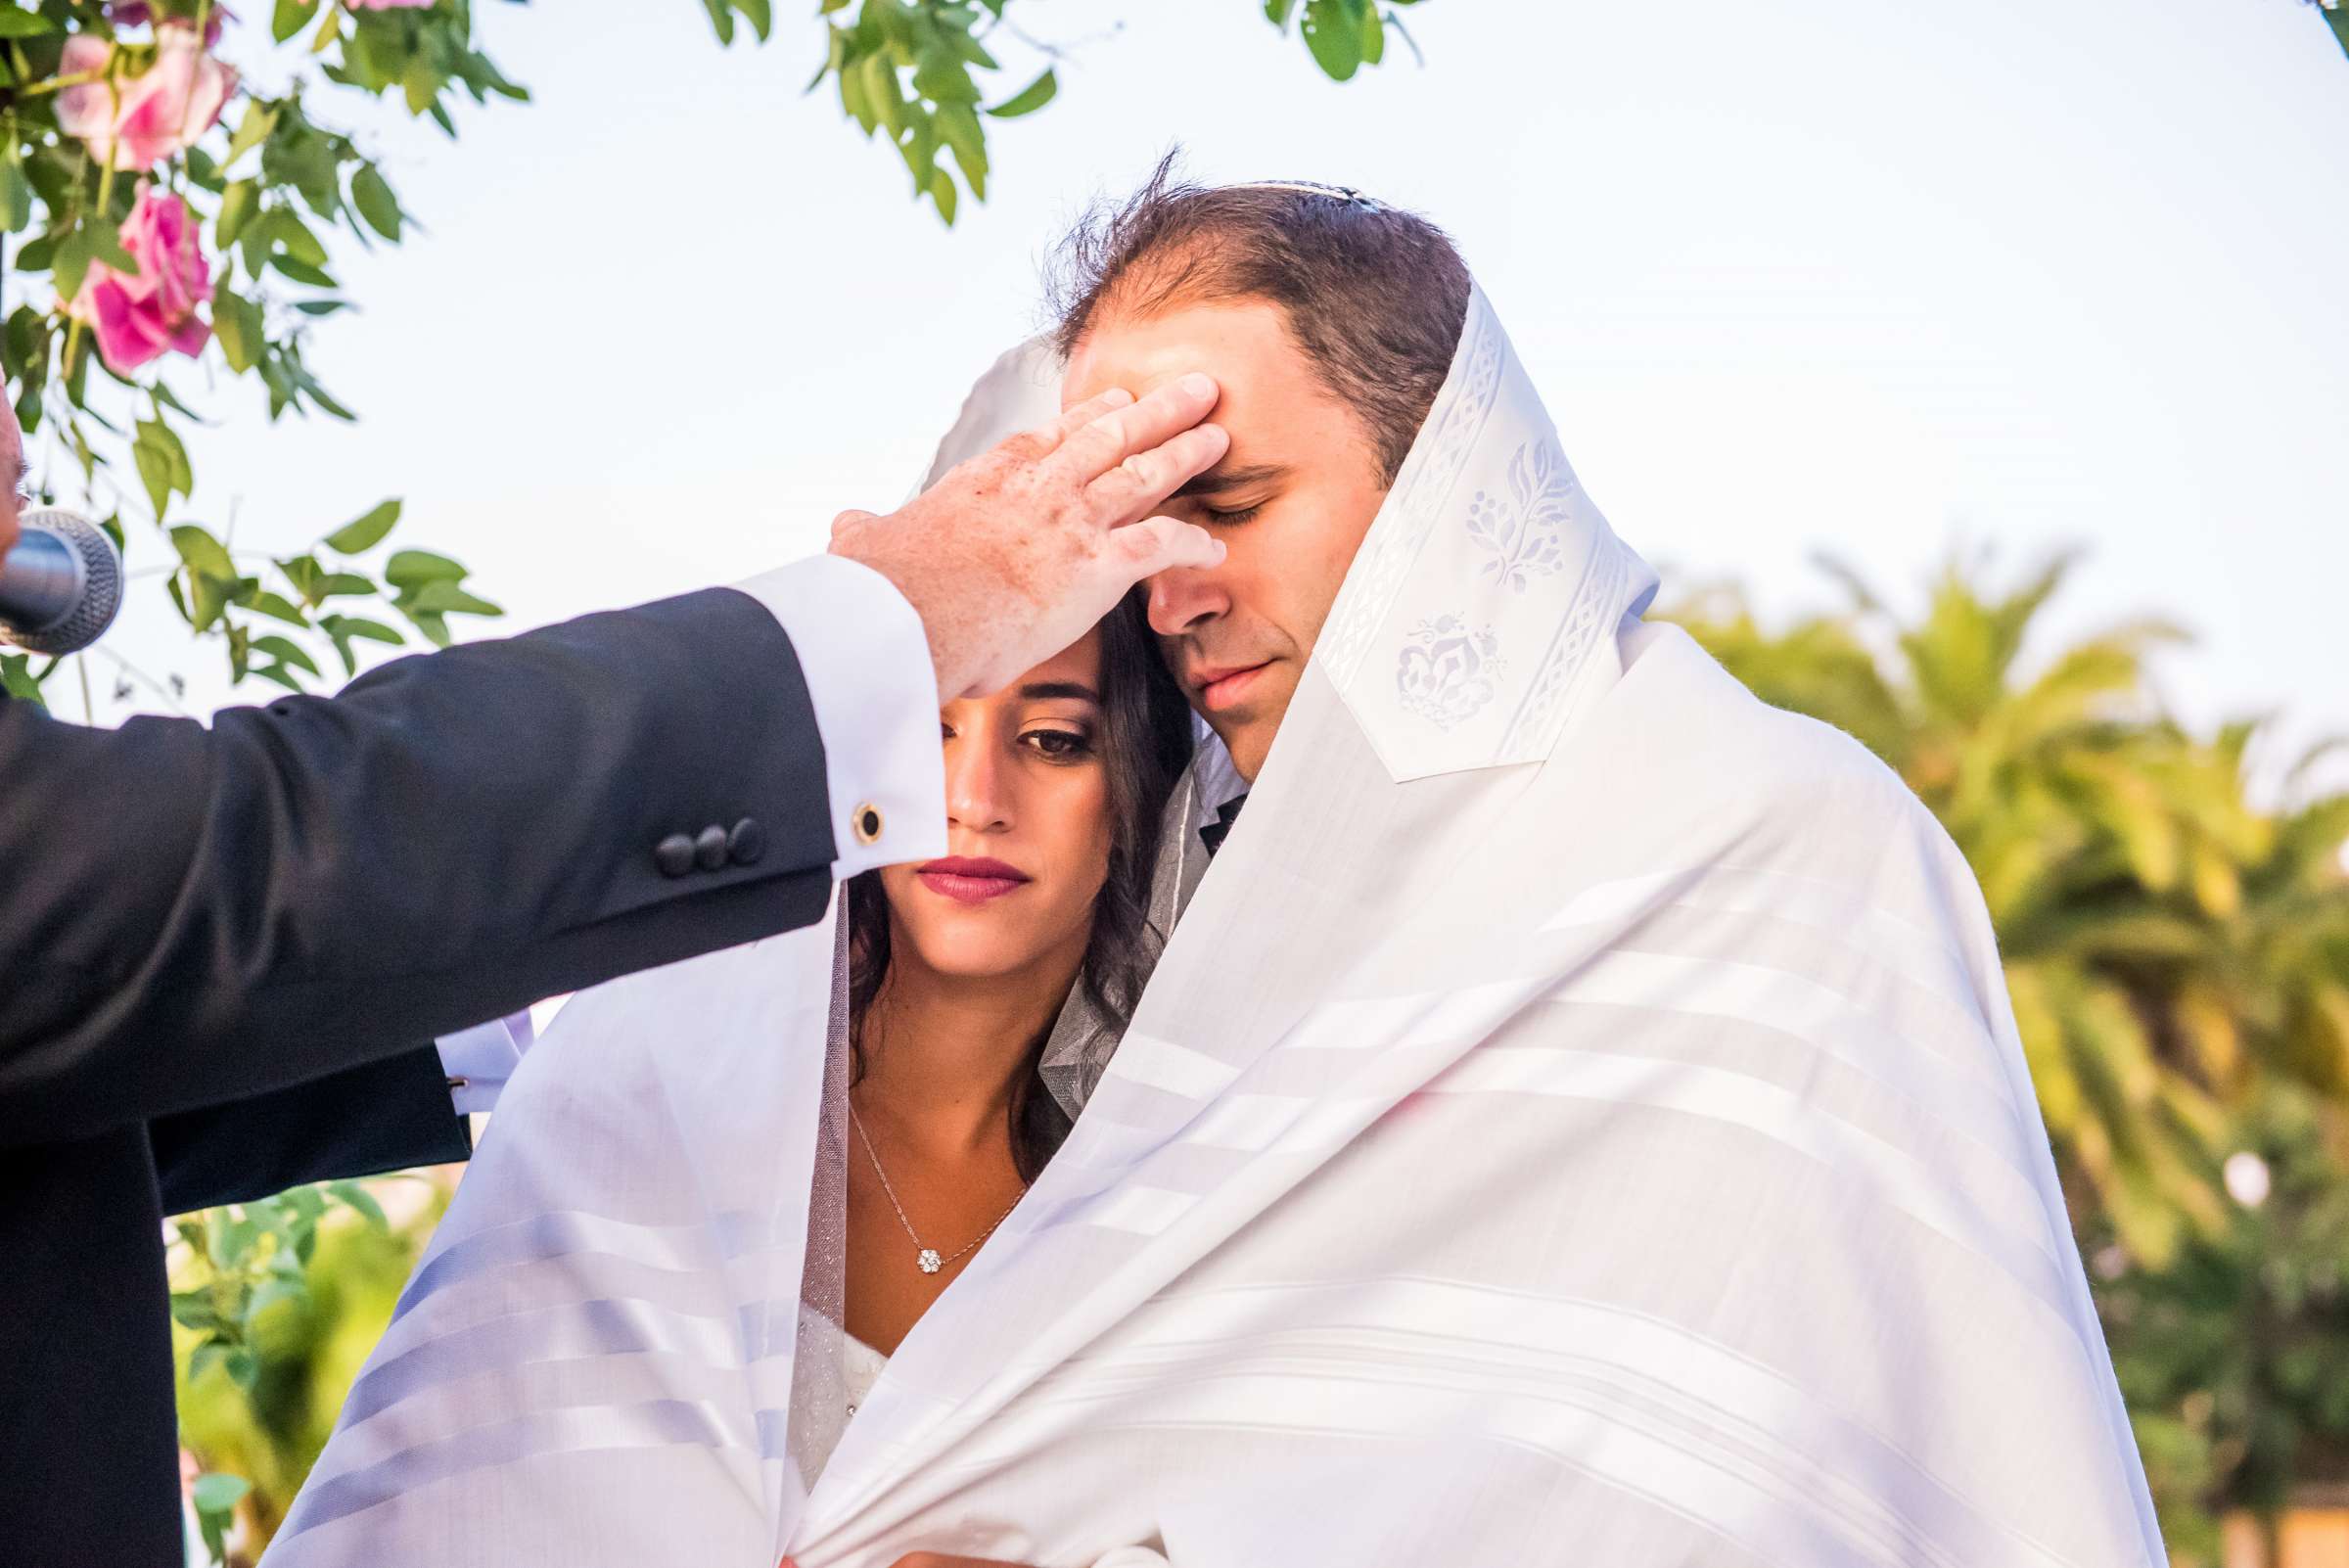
x,y
1247,739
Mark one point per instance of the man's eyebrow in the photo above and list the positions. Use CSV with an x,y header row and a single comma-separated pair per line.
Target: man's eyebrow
x,y
1045,690
1217,480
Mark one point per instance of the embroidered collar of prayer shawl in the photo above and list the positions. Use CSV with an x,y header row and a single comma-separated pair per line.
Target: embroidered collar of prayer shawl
x,y
1580,1106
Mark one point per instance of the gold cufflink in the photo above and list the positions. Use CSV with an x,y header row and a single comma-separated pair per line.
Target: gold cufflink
x,y
866,822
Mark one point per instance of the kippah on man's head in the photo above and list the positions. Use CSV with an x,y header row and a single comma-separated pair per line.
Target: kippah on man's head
x,y
1373,294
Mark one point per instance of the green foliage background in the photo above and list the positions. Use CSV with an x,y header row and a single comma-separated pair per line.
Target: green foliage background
x,y
2176,948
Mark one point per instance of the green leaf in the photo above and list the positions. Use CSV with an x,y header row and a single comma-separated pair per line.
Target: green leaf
x,y
259,120
163,467
15,23
104,242
972,50
360,1199
238,204
304,574
958,126
1276,12
169,400
882,92
364,535
343,628
183,478
721,19
237,323
376,204
853,102
219,1493
435,629
1333,36
229,1236
943,195
286,651
308,384
282,674
16,191
287,229
361,627
284,1290
302,271
944,79
208,600
409,569
1029,99
15,677
445,597
204,1357
263,602
1374,36
761,15
194,1309
70,262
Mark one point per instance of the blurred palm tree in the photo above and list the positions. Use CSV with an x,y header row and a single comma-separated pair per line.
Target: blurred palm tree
x,y
2168,942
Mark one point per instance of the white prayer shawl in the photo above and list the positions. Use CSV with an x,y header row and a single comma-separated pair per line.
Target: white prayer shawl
x,y
1576,1119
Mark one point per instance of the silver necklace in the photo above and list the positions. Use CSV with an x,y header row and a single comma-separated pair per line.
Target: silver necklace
x,y
926,1259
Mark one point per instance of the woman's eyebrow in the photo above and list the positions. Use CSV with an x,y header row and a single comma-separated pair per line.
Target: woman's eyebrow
x,y
1216,480
1045,690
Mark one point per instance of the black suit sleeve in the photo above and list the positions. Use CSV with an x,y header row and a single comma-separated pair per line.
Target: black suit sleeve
x,y
190,916
388,1115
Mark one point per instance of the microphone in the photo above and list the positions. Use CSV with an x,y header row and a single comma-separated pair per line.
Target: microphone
x,y
61,585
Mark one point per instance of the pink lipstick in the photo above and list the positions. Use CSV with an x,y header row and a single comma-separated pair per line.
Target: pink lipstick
x,y
968,880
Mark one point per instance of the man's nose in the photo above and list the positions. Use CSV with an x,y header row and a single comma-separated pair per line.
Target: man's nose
x,y
1185,598
977,792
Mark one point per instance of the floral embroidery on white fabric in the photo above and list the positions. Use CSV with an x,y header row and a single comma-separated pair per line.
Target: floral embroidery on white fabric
x,y
1446,670
1400,531
1526,528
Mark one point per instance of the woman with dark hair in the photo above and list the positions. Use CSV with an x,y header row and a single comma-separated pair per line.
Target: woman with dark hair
x,y
898,1079
960,966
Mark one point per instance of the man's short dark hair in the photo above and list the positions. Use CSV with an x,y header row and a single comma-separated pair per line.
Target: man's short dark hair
x,y
1374,295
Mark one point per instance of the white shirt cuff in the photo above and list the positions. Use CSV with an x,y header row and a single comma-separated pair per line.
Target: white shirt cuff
x,y
478,1060
866,663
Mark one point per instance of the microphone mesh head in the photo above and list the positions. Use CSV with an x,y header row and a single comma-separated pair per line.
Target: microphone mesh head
x,y
102,586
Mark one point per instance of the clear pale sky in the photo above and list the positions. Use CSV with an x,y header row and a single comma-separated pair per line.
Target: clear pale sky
x,y
1821,274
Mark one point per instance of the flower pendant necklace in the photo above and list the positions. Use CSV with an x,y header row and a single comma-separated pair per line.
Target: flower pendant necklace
x,y
926,1259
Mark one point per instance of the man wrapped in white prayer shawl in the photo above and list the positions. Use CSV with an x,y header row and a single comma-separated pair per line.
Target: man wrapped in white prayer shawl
x,y
1578,1121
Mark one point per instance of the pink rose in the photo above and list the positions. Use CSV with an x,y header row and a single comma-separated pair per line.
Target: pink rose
x,y
154,115
137,318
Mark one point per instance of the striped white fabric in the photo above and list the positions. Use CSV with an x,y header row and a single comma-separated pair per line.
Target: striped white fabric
x,y
1578,1118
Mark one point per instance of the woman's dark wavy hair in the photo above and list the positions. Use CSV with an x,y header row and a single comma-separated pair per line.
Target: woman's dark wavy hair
x,y
1146,744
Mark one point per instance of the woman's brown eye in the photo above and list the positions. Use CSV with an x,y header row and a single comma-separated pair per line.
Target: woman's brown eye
x,y
1060,745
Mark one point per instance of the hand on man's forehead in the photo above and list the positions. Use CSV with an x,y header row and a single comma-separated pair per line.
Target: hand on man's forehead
x,y
1279,413
1244,343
